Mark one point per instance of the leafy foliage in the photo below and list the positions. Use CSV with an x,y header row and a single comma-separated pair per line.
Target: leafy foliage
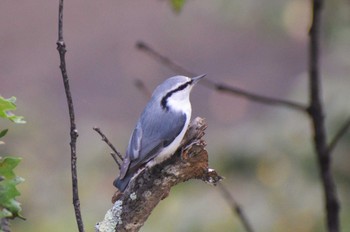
x,y
3,133
6,106
177,5
10,208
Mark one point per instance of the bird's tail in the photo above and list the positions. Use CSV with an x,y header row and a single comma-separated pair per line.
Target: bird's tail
x,y
121,184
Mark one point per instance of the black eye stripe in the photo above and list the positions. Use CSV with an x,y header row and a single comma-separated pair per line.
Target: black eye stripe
x,y
164,100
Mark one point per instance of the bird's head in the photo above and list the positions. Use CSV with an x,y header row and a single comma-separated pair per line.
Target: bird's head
x,y
175,90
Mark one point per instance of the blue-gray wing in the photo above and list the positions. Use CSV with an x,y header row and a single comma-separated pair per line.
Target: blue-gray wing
x,y
152,133
133,150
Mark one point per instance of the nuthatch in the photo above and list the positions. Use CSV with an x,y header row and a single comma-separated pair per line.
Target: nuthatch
x,y
160,129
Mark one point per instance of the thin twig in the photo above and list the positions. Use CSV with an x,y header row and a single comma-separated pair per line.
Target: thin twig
x,y
61,47
143,88
235,207
105,139
219,86
341,132
261,99
114,156
317,117
163,59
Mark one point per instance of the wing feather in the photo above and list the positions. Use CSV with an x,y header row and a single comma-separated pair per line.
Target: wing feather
x,y
153,132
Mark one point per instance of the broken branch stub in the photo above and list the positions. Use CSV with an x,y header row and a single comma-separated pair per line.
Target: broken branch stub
x,y
132,208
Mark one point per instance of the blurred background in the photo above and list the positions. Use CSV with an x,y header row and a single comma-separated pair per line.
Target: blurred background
x,y
264,152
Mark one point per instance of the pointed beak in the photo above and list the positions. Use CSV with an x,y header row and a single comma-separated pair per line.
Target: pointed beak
x,y
197,78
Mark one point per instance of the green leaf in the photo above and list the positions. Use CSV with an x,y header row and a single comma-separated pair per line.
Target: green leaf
x,y
6,106
3,133
9,206
177,5
7,165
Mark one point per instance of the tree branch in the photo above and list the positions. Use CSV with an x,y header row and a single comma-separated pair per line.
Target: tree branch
x,y
317,118
115,152
342,131
143,88
61,47
142,46
132,208
235,207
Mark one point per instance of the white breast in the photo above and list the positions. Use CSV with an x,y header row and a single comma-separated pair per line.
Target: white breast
x,y
184,106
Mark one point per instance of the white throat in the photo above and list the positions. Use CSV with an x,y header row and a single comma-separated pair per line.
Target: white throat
x,y
183,105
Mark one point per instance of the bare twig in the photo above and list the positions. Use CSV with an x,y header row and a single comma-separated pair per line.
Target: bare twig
x,y
142,46
261,99
115,152
61,47
342,131
236,208
219,86
143,88
317,117
114,156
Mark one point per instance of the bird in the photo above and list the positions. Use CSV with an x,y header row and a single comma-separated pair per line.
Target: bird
x,y
160,128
